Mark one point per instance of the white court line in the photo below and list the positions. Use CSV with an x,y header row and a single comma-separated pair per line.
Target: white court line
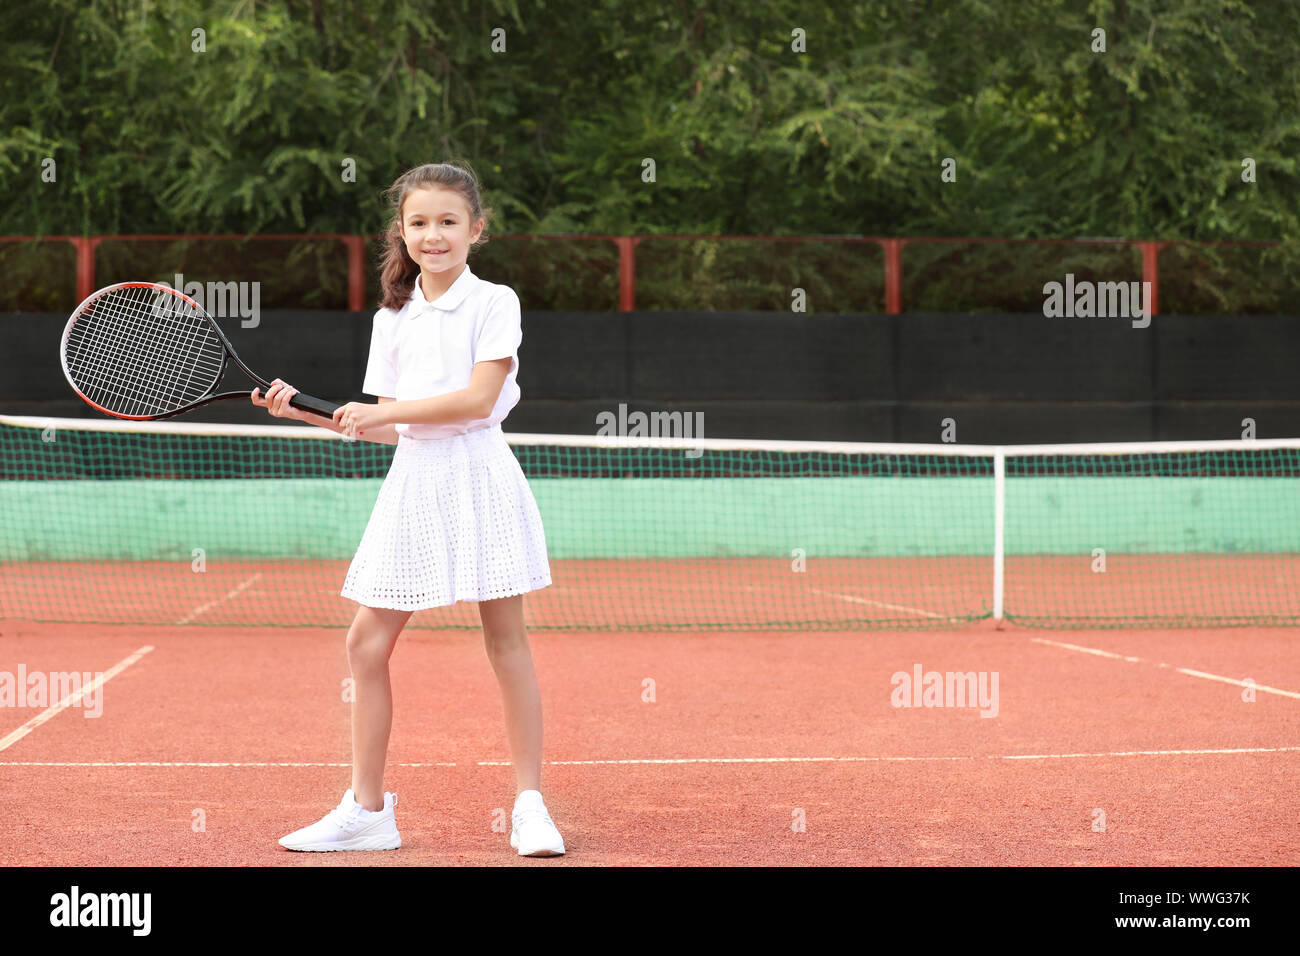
x,y
70,699
690,760
1115,753
215,601
1086,650
190,763
893,607
1161,753
1239,683
1182,670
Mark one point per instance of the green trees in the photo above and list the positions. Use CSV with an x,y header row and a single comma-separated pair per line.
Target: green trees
x,y
250,126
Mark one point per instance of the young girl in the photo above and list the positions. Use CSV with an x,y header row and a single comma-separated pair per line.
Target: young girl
x,y
455,519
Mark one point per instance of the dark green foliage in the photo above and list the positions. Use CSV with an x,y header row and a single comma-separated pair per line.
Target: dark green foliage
x,y
1050,139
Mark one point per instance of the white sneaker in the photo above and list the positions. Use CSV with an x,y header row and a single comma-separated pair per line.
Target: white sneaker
x,y
532,833
349,826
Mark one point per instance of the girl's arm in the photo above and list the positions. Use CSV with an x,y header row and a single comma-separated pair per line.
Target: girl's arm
x,y
468,404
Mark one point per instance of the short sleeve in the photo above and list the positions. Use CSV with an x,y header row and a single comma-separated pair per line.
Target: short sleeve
x,y
500,330
381,370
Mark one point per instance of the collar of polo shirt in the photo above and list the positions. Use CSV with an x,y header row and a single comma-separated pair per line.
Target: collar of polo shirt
x,y
448,301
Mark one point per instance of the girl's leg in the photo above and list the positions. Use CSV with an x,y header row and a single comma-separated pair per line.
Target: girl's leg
x,y
371,640
506,641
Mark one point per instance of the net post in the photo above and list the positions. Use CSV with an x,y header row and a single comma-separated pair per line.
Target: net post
x,y
999,513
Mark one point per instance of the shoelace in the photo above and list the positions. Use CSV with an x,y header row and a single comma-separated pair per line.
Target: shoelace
x,y
341,818
529,814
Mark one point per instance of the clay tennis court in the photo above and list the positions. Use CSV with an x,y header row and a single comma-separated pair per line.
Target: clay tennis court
x,y
709,747
720,691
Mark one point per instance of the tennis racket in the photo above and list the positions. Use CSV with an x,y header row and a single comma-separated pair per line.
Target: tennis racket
x,y
144,351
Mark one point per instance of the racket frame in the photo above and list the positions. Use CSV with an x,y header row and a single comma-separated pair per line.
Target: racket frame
x,y
304,402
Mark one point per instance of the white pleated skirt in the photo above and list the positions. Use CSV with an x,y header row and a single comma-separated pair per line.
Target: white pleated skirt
x,y
455,521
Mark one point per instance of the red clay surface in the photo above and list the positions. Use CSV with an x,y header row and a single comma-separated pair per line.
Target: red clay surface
x,y
763,729
651,594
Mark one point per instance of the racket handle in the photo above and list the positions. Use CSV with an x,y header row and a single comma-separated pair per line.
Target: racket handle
x,y
309,404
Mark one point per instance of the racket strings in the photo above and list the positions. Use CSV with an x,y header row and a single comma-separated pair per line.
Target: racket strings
x,y
100,355
143,351
119,360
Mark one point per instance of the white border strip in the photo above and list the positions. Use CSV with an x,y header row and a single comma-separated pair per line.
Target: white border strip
x,y
168,428
707,444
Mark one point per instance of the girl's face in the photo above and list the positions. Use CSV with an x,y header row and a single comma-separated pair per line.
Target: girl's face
x,y
437,230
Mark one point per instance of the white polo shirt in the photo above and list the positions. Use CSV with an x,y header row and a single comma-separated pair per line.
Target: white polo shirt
x,y
428,348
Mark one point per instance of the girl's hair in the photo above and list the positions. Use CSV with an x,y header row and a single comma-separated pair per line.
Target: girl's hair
x,y
398,270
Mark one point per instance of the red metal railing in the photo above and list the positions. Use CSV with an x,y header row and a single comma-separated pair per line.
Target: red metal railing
x,y
892,249
86,245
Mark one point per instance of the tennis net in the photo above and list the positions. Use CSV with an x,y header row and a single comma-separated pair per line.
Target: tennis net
x,y
187,524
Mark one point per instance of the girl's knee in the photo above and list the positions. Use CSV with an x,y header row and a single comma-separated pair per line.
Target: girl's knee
x,y
373,635
367,648
504,641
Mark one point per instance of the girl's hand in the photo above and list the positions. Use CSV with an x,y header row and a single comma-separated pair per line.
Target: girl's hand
x,y
276,400
355,418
